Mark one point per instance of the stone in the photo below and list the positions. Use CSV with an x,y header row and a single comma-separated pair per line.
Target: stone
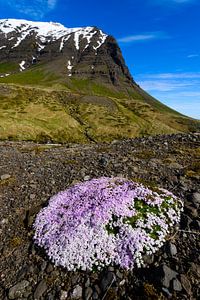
x,y
167,292
5,176
172,249
103,161
87,177
63,295
88,293
43,266
191,211
77,292
175,165
185,284
119,274
185,221
49,268
196,199
148,259
107,280
195,225
168,275
18,290
40,289
176,285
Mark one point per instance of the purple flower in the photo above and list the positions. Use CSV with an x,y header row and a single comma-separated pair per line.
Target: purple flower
x,y
105,221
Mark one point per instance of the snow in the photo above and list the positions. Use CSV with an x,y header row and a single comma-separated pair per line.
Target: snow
x,y
2,47
63,40
22,65
5,75
69,67
101,41
40,47
20,39
49,31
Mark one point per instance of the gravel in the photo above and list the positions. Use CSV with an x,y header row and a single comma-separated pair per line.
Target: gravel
x,y
31,173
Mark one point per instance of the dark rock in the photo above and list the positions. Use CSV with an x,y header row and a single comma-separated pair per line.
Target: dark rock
x,y
103,161
191,211
49,268
40,290
195,225
17,291
185,221
107,280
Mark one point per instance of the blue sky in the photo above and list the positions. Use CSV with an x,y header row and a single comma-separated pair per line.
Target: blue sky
x,y
160,39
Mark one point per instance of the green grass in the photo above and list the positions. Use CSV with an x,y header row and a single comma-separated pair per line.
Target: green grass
x,y
8,67
38,105
33,76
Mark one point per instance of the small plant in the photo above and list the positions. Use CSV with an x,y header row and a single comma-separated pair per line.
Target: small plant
x,y
106,221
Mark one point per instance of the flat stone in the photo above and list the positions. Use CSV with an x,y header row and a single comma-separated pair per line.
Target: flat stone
x,y
88,293
5,176
40,289
77,292
177,285
168,275
172,249
185,284
17,290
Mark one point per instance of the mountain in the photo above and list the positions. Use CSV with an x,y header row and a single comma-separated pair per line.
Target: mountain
x,y
72,84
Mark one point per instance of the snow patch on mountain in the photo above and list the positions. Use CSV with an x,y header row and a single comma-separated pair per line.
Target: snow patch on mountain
x,y
22,64
46,32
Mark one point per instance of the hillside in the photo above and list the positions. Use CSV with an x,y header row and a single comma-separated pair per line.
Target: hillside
x,y
62,84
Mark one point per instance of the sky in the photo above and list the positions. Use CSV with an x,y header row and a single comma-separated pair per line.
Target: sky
x,y
159,39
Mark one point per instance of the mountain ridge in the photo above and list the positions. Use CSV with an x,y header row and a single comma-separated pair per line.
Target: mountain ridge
x,y
77,88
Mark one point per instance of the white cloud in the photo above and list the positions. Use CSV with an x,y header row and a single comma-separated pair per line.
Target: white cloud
x,y
178,75
51,4
192,55
180,90
36,9
162,86
142,37
161,2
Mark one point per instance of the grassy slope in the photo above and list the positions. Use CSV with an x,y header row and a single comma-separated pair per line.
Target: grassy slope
x,y
38,105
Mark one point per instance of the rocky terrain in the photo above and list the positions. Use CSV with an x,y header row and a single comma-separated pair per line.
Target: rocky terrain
x,y
31,173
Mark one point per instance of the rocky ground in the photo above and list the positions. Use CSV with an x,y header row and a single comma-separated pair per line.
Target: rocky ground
x,y
31,173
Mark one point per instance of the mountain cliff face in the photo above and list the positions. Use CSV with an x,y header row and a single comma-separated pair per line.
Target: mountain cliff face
x,y
72,84
85,52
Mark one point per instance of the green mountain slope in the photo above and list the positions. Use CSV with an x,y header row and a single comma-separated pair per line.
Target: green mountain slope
x,y
42,105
